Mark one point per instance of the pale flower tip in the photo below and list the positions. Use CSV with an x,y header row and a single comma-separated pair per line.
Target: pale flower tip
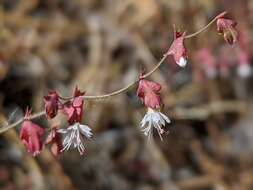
x,y
244,70
182,62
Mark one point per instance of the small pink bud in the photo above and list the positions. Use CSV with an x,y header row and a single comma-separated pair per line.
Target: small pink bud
x,y
54,138
227,28
149,93
178,50
74,108
52,104
31,135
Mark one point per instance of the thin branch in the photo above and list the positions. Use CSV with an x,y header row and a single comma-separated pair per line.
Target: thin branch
x,y
34,116
205,27
117,92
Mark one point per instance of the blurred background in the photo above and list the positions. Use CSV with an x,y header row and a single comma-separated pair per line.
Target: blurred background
x,y
101,45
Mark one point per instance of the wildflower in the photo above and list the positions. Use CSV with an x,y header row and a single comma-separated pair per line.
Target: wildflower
x,y
54,138
74,108
227,28
149,93
178,50
52,104
75,136
31,135
154,119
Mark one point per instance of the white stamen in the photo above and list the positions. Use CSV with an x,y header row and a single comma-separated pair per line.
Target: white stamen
x,y
182,62
75,136
153,119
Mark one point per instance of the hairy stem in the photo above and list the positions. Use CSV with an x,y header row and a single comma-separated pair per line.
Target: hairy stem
x,y
34,116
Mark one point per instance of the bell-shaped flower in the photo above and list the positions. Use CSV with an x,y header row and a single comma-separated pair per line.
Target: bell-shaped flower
x,y
226,27
31,135
74,108
178,50
52,104
149,93
54,138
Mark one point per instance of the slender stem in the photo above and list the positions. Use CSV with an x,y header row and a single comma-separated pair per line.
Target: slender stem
x,y
205,27
117,92
129,85
34,116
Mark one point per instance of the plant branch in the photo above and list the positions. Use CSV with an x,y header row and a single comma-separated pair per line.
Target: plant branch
x,y
117,92
205,27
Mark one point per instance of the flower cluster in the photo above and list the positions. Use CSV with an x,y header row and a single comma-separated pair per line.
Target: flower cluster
x,y
32,134
75,134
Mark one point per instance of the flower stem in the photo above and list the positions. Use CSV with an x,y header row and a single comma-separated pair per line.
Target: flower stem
x,y
117,92
34,116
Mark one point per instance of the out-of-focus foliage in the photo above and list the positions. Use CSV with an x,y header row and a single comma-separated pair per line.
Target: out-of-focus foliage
x,y
101,45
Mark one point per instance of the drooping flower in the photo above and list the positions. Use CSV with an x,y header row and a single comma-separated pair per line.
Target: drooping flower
x,y
54,138
75,135
74,108
177,49
52,104
149,93
31,135
226,27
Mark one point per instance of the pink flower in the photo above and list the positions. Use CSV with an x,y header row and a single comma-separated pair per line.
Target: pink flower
x,y
227,28
52,104
54,138
178,50
74,108
149,93
31,135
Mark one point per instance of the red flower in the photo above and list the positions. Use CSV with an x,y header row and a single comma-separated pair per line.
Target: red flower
x,y
227,28
52,104
54,138
31,135
74,108
149,93
177,49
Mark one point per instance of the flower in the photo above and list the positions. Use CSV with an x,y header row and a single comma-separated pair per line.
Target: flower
x,y
52,104
31,135
75,136
149,93
74,108
154,119
227,28
178,50
54,138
